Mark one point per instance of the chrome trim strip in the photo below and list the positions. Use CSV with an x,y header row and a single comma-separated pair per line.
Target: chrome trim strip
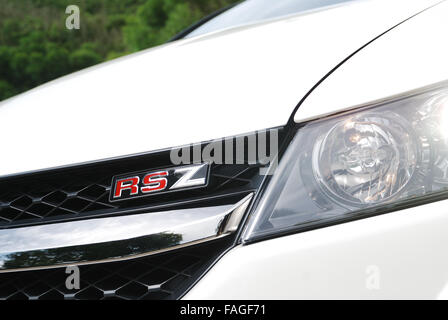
x,y
115,238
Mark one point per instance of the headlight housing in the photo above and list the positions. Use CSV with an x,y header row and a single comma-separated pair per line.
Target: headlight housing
x,y
368,160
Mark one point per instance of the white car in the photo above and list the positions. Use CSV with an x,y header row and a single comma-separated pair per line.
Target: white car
x,y
287,150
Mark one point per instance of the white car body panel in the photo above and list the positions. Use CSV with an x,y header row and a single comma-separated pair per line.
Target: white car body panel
x,y
409,57
398,255
179,94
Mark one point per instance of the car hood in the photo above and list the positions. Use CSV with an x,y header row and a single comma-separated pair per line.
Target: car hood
x,y
221,84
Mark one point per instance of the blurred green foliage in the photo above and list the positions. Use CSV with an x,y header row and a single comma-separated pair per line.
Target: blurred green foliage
x,y
36,47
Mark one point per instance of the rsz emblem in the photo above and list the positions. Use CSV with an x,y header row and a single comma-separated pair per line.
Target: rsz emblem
x,y
152,182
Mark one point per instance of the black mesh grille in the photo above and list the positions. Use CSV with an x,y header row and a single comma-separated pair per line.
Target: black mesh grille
x,y
49,198
163,276
81,191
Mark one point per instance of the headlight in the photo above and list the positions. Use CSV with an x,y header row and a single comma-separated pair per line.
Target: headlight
x,y
369,160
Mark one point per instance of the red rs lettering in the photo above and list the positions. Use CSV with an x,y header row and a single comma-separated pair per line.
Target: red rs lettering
x,y
127,183
155,182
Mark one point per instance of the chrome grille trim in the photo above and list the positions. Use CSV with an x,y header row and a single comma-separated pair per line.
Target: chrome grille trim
x,y
115,238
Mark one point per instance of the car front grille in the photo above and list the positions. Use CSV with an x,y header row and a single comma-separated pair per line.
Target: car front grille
x,y
162,276
82,191
68,196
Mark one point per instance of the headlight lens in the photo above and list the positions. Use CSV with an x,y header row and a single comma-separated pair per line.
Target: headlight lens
x,y
367,159
364,161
